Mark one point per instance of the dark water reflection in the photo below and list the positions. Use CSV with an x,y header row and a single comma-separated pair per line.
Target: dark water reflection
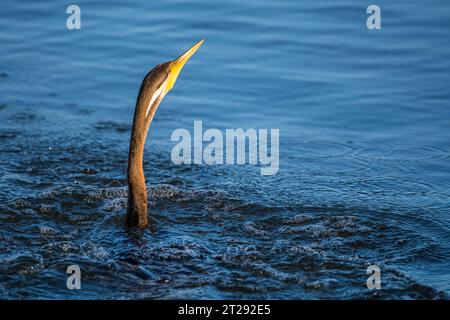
x,y
364,147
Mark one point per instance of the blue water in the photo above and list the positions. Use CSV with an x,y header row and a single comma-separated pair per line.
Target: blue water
x,y
364,119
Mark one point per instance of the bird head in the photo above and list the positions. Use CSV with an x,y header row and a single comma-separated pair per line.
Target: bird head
x,y
176,65
161,80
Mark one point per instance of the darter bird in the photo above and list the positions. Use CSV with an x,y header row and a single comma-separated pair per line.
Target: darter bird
x,y
154,87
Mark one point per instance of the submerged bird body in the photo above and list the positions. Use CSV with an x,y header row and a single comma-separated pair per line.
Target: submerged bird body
x,y
154,87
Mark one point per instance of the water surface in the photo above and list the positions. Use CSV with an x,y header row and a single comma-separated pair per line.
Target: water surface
x,y
364,150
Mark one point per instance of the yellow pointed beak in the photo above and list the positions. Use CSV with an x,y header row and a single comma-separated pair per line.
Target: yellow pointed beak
x,y
178,64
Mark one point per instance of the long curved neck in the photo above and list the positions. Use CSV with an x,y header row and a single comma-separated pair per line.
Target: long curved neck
x,y
137,214
137,192
148,100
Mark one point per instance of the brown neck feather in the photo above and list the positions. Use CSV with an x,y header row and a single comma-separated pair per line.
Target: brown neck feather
x,y
137,211
137,191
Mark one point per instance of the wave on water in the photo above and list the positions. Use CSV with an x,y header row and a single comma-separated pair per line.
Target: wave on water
x,y
206,241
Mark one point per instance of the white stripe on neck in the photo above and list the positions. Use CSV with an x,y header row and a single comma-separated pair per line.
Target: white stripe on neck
x,y
158,92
